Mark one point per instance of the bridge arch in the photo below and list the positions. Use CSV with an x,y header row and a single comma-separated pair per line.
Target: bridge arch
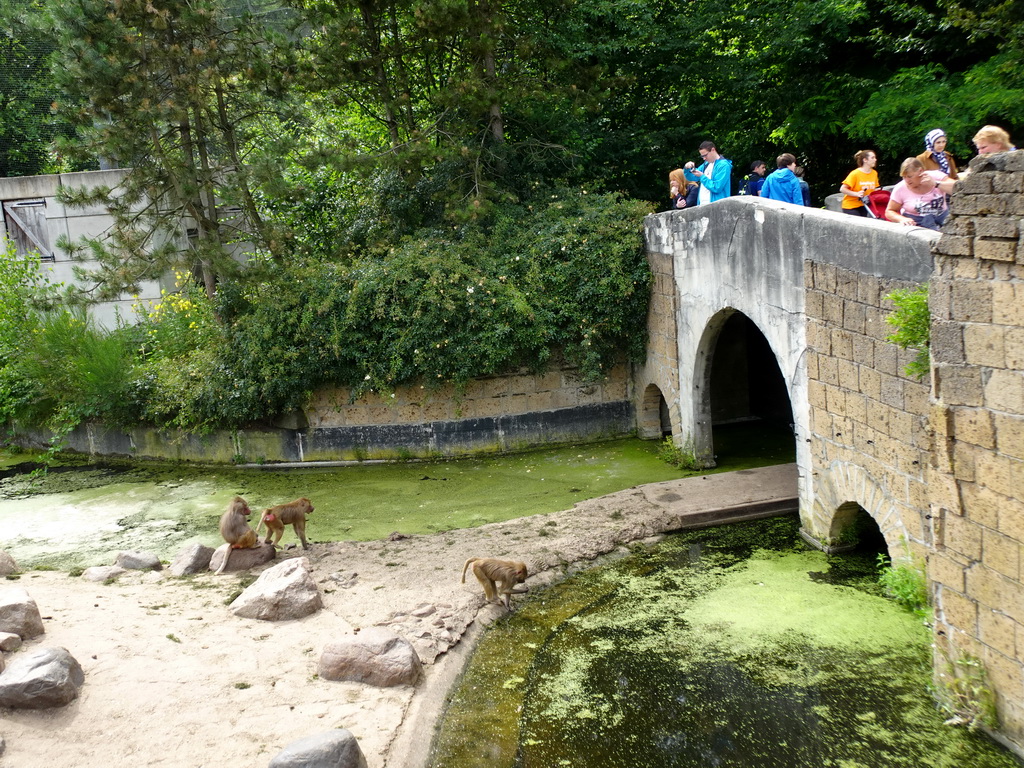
x,y
847,489
654,420
737,377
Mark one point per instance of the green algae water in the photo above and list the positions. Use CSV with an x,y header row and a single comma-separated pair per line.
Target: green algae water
x,y
80,514
736,646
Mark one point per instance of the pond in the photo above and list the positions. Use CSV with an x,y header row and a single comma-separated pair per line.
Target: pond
x,y
736,646
81,514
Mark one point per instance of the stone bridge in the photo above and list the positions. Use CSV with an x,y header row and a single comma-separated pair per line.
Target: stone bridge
x,y
777,313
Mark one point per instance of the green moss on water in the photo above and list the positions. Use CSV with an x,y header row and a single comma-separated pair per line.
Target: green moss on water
x,y
83,513
719,647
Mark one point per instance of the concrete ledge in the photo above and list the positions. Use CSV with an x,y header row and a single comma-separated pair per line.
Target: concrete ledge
x,y
367,442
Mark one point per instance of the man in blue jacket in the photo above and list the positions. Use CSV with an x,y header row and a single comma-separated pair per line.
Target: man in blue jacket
x,y
782,184
714,176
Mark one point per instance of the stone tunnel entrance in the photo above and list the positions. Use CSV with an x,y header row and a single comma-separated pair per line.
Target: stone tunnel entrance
x,y
749,404
853,528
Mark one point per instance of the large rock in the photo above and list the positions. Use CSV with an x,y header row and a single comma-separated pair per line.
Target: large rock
x,y
138,561
45,677
9,642
243,559
332,749
195,558
103,573
286,591
7,564
376,656
19,614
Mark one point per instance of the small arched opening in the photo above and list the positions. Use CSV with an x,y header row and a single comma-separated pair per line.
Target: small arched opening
x,y
854,530
654,421
747,396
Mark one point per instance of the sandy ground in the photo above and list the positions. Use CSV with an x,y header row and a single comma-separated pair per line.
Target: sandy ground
x,y
173,678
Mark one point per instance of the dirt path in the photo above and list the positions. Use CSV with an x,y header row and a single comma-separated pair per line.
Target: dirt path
x,y
173,678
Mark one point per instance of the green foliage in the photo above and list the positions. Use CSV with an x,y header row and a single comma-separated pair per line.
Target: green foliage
x,y
963,691
912,321
682,457
57,368
566,273
177,342
27,93
174,92
79,371
917,99
904,584
21,291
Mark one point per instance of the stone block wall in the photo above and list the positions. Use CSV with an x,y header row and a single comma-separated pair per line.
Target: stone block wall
x,y
513,412
658,377
493,396
868,420
976,483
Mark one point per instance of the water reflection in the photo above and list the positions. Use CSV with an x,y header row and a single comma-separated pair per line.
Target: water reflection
x,y
716,649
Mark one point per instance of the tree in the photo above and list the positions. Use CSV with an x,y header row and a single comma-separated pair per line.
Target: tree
x,y
27,92
174,92
451,84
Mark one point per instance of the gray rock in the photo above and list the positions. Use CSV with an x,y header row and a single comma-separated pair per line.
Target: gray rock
x,y
138,561
376,656
39,679
101,573
19,614
195,558
7,564
286,591
332,749
243,559
9,642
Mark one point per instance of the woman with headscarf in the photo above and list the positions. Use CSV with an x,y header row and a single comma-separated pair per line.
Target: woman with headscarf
x,y
935,157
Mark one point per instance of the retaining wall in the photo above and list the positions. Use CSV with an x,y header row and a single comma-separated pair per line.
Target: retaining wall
x,y
976,480
500,413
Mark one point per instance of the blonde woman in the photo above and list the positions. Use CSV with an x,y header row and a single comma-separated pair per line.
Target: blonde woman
x,y
920,199
991,139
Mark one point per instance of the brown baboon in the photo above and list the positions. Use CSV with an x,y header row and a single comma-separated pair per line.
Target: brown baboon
x,y
234,527
498,577
293,513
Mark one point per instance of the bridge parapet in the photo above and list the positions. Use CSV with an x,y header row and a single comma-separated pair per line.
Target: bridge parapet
x,y
749,256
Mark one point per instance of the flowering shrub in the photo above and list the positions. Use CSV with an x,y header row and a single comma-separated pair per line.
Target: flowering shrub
x,y
446,306
177,324
566,273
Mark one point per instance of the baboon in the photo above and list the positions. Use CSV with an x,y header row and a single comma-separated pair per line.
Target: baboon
x,y
234,527
293,513
497,577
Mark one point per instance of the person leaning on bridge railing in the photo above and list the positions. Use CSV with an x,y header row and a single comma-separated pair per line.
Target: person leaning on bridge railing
x,y
714,175
920,199
935,157
860,183
990,139
783,184
681,193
